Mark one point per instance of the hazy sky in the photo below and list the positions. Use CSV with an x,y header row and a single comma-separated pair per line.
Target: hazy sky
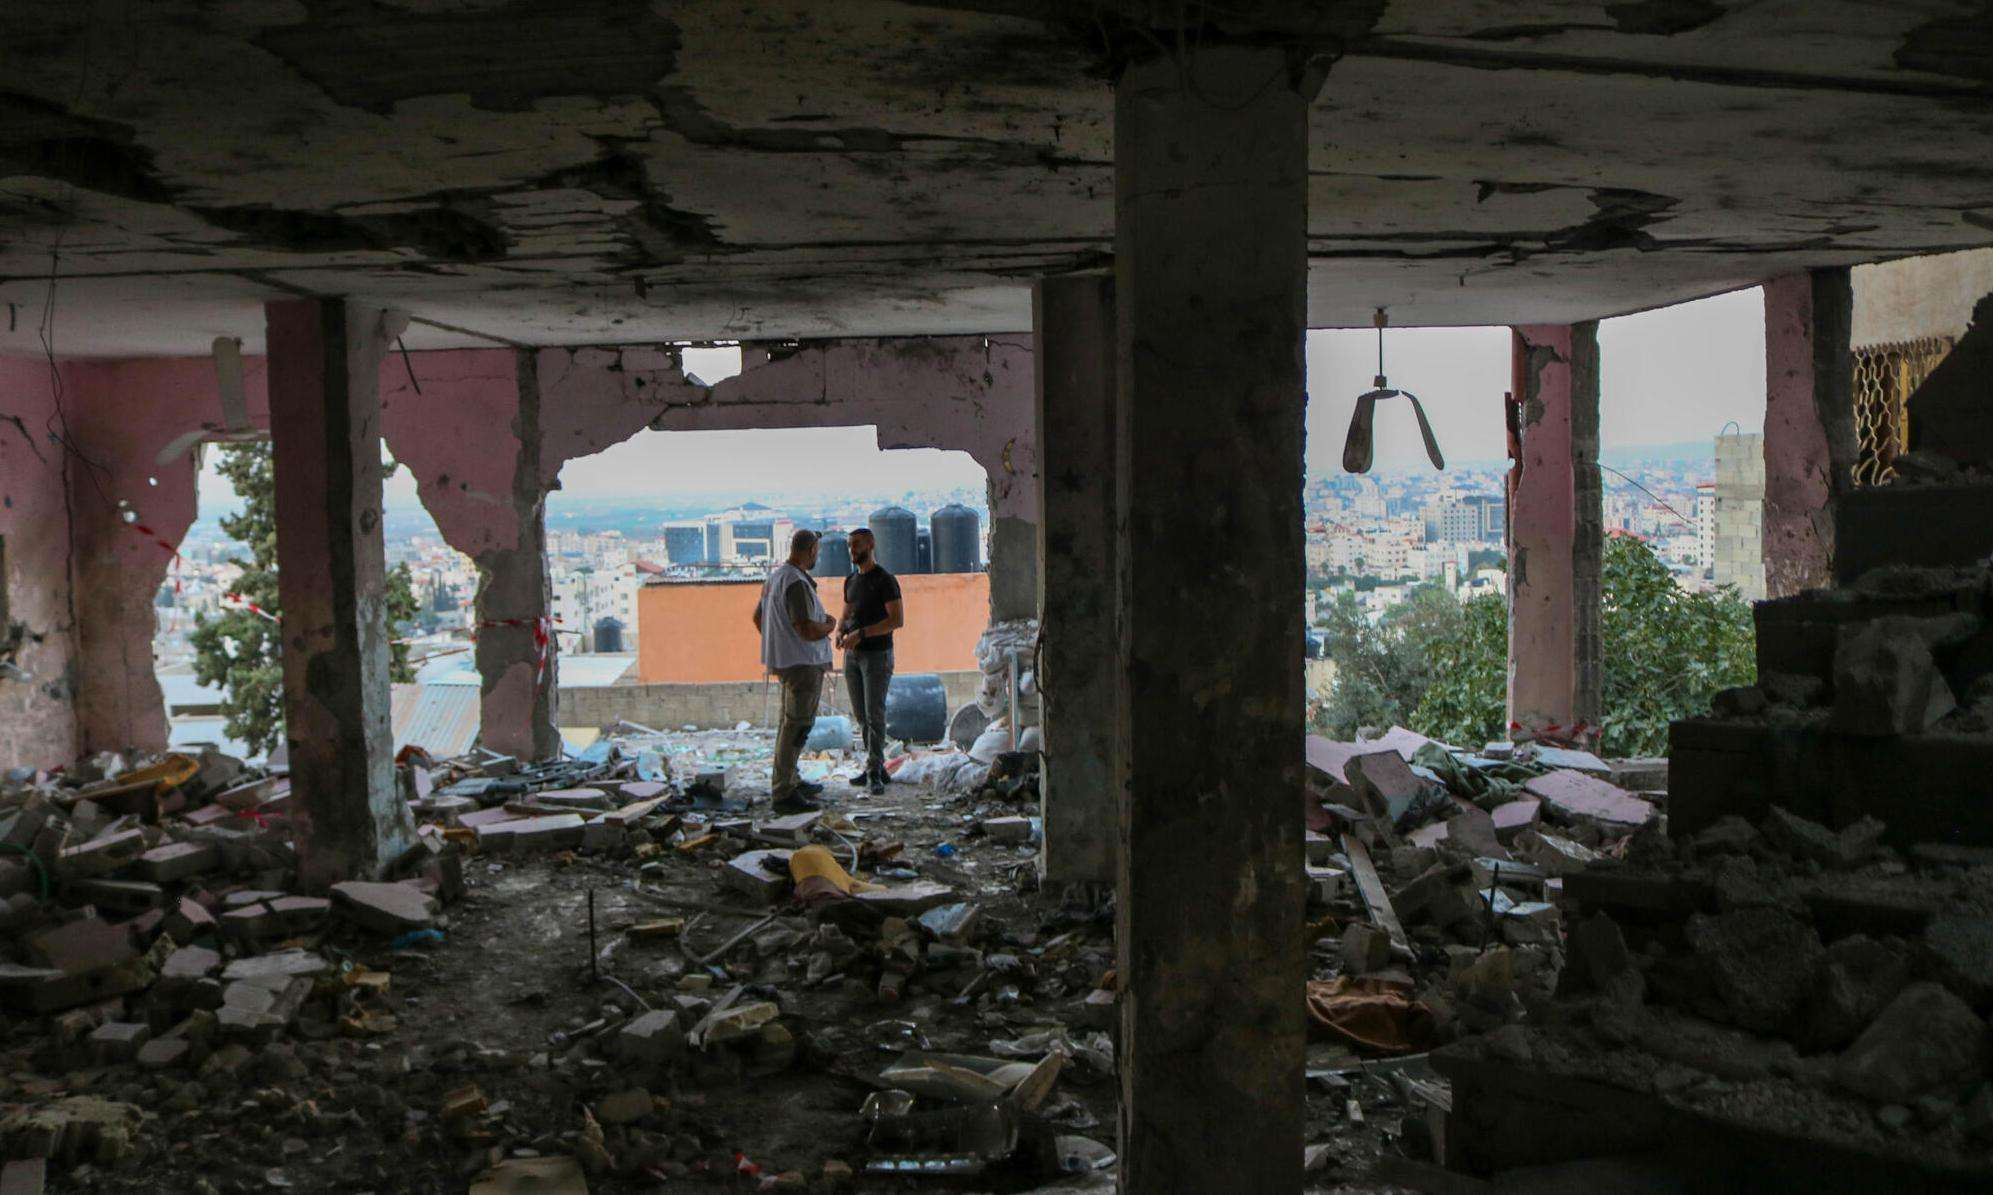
x,y
1676,374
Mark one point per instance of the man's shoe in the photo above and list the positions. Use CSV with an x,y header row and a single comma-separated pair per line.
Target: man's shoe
x,y
876,784
809,789
796,802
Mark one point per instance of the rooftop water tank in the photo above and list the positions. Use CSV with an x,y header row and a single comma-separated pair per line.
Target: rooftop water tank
x,y
958,539
833,555
894,527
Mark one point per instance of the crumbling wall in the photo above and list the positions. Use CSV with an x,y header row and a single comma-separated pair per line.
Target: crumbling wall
x,y
137,425
968,393
38,692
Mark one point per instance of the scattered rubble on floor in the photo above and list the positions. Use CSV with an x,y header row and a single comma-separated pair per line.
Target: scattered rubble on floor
x,y
587,975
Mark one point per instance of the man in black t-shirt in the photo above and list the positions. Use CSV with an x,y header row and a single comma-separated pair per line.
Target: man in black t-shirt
x,y
872,612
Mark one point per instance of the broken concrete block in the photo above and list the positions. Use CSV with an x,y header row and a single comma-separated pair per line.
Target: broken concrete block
x,y
119,1041
162,1053
624,1107
602,834
1806,839
385,908
83,945
1365,948
794,829
1885,680
186,919
495,816
1598,961
101,855
738,1022
555,832
1926,1037
1727,835
574,799
1327,885
1384,783
1008,831
122,897
1531,923
1436,895
1861,976
1553,853
177,861
760,875
448,810
1961,951
24,1176
651,1039
1575,798
278,963
1761,961
1511,818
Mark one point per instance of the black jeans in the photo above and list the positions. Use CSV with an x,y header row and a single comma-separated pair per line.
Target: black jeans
x,y
867,675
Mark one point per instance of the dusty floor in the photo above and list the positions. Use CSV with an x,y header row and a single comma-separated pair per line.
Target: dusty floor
x,y
324,1111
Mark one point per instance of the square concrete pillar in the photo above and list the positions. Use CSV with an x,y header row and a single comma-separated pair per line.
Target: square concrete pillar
x,y
325,434
1079,673
1556,540
517,649
1810,445
1211,255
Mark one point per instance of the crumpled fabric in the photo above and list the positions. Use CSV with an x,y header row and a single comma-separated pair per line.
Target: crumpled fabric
x,y
819,876
1487,787
1374,1013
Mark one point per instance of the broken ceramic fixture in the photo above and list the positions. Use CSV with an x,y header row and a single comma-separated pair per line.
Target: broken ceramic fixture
x,y
1357,448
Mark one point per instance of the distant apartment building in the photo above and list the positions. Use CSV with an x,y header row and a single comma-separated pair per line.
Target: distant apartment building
x,y
746,532
586,598
1705,524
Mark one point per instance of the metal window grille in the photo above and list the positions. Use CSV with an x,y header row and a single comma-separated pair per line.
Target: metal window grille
x,y
1885,377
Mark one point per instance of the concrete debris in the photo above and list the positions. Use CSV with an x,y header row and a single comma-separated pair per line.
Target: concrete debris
x,y
1886,681
1925,1038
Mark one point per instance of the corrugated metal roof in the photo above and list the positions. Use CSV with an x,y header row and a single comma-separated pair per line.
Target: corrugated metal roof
x,y
441,719
576,671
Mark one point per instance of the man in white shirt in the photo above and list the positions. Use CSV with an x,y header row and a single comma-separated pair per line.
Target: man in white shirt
x,y
795,647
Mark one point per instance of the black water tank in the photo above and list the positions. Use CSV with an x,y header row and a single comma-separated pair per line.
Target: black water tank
x,y
917,707
833,556
958,539
609,634
923,551
894,528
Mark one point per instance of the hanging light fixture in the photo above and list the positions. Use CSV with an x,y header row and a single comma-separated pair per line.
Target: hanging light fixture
x,y
1357,447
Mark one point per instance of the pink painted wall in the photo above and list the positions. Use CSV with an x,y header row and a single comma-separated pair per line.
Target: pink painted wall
x,y
139,422
1798,515
38,715
1542,529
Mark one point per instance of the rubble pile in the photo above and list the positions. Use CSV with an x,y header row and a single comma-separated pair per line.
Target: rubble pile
x,y
1782,978
606,970
1437,909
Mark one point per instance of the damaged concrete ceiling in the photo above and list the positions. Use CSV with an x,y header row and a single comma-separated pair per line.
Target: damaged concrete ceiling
x,y
635,170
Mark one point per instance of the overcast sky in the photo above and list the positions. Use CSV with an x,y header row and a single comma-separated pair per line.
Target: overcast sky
x,y
1666,376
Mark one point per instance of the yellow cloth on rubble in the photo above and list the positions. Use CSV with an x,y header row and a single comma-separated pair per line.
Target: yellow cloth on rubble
x,y
817,874
1371,1012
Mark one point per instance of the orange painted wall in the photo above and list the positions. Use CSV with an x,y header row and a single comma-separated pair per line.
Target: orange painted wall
x,y
702,632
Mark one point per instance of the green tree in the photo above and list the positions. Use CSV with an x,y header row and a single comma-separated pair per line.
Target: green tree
x,y
1381,668
239,649
1665,653
403,614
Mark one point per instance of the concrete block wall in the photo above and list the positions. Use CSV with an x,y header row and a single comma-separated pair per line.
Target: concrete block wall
x,y
716,706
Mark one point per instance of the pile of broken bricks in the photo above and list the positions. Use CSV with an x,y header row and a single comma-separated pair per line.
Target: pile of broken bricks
x,y
1782,979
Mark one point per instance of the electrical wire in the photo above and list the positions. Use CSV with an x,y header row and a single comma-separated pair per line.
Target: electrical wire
x,y
1686,522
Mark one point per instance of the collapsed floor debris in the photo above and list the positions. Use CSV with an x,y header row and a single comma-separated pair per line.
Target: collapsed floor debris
x,y
599,974
620,970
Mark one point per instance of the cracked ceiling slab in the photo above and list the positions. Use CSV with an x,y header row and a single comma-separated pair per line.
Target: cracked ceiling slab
x,y
528,172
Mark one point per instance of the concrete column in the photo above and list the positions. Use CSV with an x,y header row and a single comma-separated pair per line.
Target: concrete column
x,y
325,432
1210,254
517,649
1556,533
1078,669
1809,424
